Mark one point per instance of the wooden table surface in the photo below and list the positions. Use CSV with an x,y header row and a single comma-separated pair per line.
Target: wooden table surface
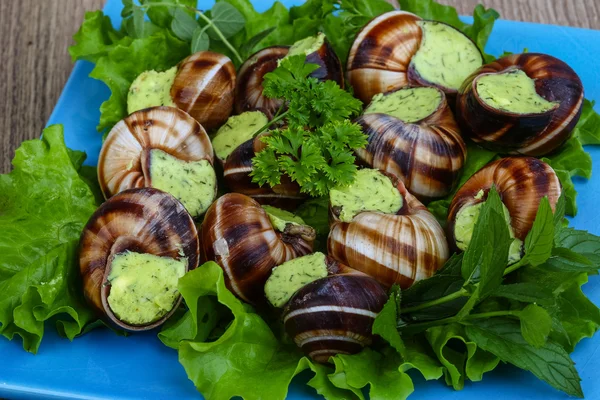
x,y
35,34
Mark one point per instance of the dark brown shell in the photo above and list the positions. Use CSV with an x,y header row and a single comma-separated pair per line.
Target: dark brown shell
x,y
141,220
427,155
392,248
204,88
527,134
236,172
522,182
124,161
334,315
249,88
237,234
330,66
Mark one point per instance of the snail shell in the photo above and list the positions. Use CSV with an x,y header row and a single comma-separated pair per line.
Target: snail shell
x,y
204,88
125,158
527,134
249,88
334,315
427,155
521,182
392,248
330,66
236,172
380,59
238,235
140,220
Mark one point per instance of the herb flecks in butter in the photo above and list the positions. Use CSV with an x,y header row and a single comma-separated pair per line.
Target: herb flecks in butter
x,y
371,191
151,89
192,183
143,287
446,56
408,105
513,92
237,130
289,277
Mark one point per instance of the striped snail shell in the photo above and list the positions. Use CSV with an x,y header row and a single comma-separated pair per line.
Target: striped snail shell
x,y
334,315
204,88
521,182
238,235
536,131
393,248
146,221
136,147
427,155
249,88
330,66
236,172
385,56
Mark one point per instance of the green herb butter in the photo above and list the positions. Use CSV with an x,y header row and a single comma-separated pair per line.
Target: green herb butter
x,y
307,45
143,287
446,56
289,277
237,130
513,92
408,105
192,183
151,89
465,224
280,218
371,191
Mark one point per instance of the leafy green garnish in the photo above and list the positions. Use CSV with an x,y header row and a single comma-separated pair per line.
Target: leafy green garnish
x,y
316,150
45,204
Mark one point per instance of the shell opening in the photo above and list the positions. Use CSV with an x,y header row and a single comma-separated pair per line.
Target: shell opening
x,y
143,287
151,89
512,92
371,191
446,56
409,105
237,130
192,183
289,277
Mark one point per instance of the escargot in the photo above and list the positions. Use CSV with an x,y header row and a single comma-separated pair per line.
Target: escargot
x,y
133,251
164,148
247,242
399,49
249,87
318,51
380,229
521,104
237,173
204,87
521,182
412,134
334,315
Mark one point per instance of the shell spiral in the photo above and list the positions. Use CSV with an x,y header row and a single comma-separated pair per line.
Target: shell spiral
x,y
521,182
334,315
238,235
392,248
427,156
141,220
124,160
527,134
249,88
204,88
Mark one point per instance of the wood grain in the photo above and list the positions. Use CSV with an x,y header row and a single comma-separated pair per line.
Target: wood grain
x,y
35,34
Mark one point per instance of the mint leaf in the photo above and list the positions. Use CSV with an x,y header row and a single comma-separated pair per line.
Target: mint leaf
x,y
183,25
535,325
581,242
227,19
551,363
563,259
386,321
525,292
559,213
200,40
540,239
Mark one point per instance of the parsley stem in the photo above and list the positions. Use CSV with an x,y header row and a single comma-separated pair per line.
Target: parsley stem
x,y
452,296
278,117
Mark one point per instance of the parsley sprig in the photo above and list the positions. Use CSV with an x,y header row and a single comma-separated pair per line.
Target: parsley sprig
x,y
316,148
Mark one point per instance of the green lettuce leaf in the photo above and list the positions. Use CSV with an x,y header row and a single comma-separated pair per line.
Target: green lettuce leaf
x,y
44,206
95,38
247,359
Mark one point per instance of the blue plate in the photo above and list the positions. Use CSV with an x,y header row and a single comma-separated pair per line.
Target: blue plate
x,y
101,365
